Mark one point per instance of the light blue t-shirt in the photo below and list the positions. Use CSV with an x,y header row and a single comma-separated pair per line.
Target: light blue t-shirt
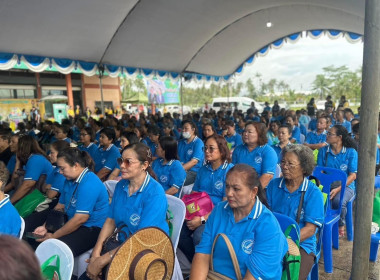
x,y
90,198
346,160
145,208
107,158
56,180
282,201
263,158
235,140
36,166
257,239
171,174
314,138
91,149
213,182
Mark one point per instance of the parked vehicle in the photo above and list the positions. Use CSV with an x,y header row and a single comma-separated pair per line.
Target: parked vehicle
x,y
177,109
230,103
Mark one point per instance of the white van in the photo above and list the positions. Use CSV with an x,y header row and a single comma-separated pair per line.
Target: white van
x,y
230,103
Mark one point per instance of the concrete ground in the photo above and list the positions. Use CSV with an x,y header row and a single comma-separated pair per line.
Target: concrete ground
x,y
342,260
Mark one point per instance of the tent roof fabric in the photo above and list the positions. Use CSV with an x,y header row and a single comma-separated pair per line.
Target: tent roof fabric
x,y
210,37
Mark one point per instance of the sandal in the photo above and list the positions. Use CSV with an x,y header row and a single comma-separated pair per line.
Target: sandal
x,y
341,233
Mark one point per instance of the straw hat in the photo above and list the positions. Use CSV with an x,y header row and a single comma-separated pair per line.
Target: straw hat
x,y
146,255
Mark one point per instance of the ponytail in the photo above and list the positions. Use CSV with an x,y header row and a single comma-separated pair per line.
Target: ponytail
x,y
347,140
151,172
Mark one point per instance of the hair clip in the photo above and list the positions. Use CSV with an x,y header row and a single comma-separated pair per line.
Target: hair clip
x,y
149,154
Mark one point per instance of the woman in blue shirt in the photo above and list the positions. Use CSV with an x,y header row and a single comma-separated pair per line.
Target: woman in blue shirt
x,y
87,137
284,196
284,135
83,198
211,178
168,169
340,153
253,230
296,132
256,152
138,202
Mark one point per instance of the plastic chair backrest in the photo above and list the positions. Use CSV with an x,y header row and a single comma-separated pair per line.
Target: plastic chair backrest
x,y
178,208
302,139
284,222
278,172
326,176
377,182
22,228
52,247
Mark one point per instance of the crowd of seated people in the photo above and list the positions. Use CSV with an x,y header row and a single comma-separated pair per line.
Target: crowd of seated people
x,y
232,156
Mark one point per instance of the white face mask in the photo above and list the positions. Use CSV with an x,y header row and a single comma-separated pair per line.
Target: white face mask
x,y
186,135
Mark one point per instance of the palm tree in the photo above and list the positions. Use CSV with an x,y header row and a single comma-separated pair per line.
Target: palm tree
x,y
321,85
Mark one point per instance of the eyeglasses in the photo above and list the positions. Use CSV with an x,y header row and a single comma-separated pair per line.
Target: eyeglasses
x,y
127,162
83,134
287,164
330,134
211,149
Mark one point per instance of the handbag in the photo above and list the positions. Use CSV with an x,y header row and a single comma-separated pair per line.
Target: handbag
x,y
28,203
57,219
112,242
291,263
376,209
213,275
198,204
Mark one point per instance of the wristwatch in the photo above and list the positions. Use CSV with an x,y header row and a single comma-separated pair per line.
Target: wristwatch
x,y
203,220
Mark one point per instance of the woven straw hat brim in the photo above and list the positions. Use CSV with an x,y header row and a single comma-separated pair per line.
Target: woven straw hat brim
x,y
293,248
151,238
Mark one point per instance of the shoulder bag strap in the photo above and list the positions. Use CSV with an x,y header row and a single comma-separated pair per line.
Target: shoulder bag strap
x,y
232,255
326,158
67,208
300,207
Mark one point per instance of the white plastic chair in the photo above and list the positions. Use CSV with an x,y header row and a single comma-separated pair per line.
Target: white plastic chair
x,y
110,186
80,264
302,139
53,247
277,174
22,228
178,209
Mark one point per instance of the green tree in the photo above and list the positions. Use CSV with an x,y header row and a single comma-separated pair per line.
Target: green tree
x,y
251,88
321,85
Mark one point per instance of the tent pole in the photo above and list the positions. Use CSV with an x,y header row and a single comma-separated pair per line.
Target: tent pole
x,y
368,132
101,74
181,91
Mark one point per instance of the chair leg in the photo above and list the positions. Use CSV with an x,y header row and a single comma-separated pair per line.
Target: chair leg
x,y
349,222
373,251
327,248
335,235
315,272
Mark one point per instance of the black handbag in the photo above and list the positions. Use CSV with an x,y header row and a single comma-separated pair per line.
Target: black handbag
x,y
57,219
112,242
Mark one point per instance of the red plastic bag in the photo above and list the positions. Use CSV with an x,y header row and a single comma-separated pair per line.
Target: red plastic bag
x,y
197,204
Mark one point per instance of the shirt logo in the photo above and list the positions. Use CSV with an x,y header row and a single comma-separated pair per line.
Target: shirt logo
x,y
103,161
218,185
134,219
190,152
247,245
73,202
258,159
163,178
343,167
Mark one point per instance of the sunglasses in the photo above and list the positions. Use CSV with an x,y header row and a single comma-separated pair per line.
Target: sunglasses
x,y
127,162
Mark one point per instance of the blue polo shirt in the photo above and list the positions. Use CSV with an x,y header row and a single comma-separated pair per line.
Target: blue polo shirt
x,y
257,239
145,208
91,198
171,174
192,150
56,180
36,166
314,138
296,134
262,158
235,140
91,149
282,201
278,151
11,164
10,221
107,158
213,182
346,160
346,124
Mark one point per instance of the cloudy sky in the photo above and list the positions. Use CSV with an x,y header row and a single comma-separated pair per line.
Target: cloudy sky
x,y
297,64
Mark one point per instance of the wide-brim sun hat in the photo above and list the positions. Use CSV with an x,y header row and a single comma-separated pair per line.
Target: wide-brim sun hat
x,y
146,255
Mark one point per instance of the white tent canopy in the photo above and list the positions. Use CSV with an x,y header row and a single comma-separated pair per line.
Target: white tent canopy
x,y
212,37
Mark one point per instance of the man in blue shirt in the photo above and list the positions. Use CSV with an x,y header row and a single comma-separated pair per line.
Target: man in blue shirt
x,y
233,138
317,139
10,221
340,120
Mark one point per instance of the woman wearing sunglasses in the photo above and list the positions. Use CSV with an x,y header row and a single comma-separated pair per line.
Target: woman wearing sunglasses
x,y
211,178
139,201
170,173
